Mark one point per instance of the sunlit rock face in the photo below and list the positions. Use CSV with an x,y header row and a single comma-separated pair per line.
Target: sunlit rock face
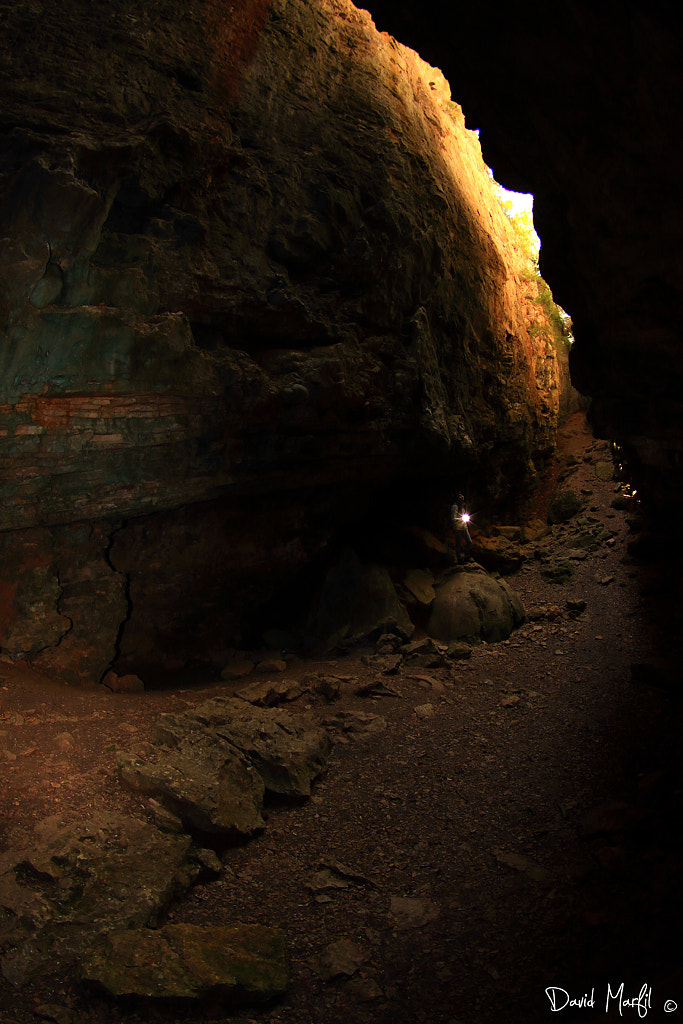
x,y
579,103
255,278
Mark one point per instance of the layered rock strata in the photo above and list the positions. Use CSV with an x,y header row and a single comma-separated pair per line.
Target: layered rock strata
x,y
254,276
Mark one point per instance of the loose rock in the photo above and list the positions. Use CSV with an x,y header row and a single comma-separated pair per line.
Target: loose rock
x,y
420,584
356,723
238,669
245,962
77,881
410,912
425,711
268,693
208,785
223,756
343,957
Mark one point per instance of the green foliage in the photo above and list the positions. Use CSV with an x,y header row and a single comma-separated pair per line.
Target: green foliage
x,y
523,222
529,245
557,318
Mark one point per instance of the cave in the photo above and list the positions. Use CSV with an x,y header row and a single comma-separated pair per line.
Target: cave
x,y
263,317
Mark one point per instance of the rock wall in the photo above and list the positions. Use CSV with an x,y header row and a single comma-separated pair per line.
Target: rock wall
x,y
578,103
255,275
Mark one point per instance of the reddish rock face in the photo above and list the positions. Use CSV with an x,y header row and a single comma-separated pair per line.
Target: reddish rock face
x,y
579,103
255,278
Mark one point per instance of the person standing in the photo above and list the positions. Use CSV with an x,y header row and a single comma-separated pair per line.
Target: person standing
x,y
460,518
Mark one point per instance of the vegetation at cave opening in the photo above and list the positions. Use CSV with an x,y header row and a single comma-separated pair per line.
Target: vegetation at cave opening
x,y
522,220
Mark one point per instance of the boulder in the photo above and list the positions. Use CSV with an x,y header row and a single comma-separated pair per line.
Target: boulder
x,y
424,653
272,665
123,684
356,724
212,765
420,585
244,962
564,506
76,881
604,470
557,570
208,784
289,751
357,601
268,692
498,554
407,912
473,606
341,958
458,650
534,530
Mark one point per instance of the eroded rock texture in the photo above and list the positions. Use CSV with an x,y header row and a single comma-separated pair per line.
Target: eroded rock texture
x,y
78,881
579,103
254,277
234,963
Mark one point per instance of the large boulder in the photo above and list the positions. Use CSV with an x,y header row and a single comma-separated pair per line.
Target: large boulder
x,y
213,764
498,554
76,881
209,785
289,751
471,605
357,600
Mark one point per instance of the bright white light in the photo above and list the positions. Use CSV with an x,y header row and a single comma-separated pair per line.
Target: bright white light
x,y
519,207
522,202
465,517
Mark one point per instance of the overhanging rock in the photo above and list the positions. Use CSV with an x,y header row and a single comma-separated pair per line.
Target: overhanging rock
x,y
227,330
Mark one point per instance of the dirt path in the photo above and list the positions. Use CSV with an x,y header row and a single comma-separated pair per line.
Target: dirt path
x,y
507,825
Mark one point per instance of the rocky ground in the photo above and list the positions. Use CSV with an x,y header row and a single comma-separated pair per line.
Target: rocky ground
x,y
487,827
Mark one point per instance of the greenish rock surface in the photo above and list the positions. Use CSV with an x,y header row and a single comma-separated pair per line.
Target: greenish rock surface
x,y
564,506
558,571
289,751
182,961
207,784
76,881
604,470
